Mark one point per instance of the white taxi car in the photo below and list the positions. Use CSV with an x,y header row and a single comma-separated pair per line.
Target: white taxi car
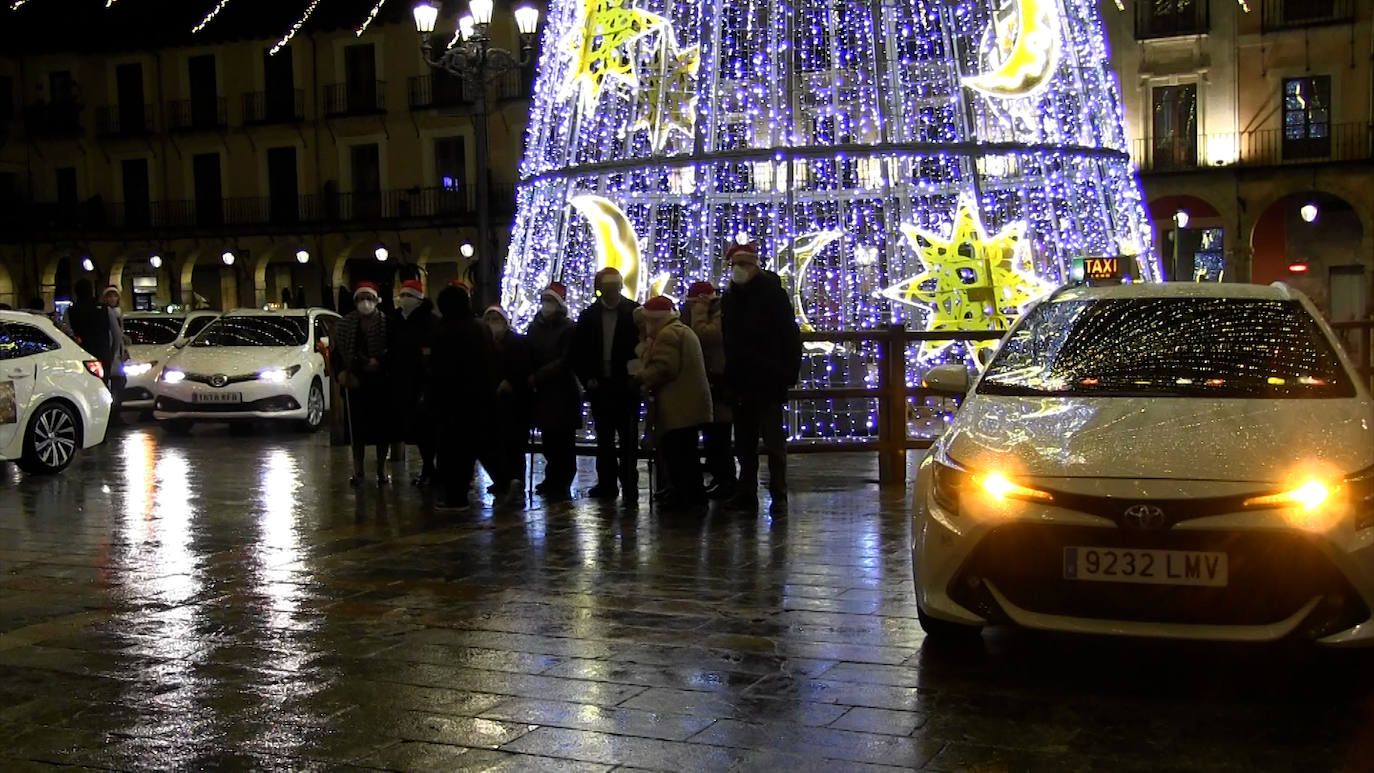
x,y
53,401
1190,461
250,364
153,338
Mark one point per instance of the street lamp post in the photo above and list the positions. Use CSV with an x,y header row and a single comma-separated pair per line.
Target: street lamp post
x,y
1180,223
475,61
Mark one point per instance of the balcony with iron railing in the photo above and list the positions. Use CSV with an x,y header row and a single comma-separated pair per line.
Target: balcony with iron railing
x,y
197,114
402,208
1170,19
427,92
1350,142
1298,14
261,108
125,120
354,98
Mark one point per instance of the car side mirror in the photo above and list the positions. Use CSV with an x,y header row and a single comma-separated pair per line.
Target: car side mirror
x,y
947,379
985,356
180,343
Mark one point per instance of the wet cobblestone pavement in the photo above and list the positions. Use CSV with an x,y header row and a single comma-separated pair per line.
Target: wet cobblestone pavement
x,y
227,602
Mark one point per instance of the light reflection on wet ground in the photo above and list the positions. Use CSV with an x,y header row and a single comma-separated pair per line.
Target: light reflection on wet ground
x,y
226,601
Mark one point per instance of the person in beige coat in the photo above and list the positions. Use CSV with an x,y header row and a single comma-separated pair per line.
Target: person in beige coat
x,y
702,314
673,375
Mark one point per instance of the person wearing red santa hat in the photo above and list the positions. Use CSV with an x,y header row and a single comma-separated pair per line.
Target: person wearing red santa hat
x,y
673,374
512,417
412,335
557,399
763,354
604,347
361,358
702,314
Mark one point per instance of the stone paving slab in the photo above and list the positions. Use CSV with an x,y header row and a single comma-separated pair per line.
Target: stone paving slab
x,y
227,602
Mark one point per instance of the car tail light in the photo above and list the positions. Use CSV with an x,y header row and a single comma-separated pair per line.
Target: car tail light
x,y
95,368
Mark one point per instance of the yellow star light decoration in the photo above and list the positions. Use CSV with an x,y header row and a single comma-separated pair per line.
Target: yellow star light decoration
x,y
970,281
669,101
604,35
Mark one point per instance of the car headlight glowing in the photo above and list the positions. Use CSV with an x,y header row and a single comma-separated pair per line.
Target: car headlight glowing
x,y
1313,506
995,488
278,375
132,369
172,376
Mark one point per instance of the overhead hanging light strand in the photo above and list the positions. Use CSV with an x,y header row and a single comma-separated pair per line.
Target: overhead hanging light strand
x,y
291,33
212,14
376,9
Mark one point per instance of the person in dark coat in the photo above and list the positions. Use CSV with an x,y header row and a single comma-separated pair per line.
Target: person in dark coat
x,y
361,360
605,344
762,361
463,381
412,335
512,432
557,397
91,323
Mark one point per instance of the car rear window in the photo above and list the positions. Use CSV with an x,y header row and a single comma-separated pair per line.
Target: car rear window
x,y
1176,347
261,330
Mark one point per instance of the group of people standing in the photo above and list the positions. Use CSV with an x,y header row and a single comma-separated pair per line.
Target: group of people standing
x,y
471,387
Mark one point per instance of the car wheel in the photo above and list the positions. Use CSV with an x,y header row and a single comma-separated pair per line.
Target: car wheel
x,y
178,426
314,408
51,441
945,630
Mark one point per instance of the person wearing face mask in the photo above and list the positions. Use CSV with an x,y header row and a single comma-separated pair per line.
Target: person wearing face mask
x,y
118,349
412,333
674,375
702,315
605,344
556,396
513,368
360,359
762,361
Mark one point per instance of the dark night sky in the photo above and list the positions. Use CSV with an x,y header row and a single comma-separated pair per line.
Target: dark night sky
x,y
132,25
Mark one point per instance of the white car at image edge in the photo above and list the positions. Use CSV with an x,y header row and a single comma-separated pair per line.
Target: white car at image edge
x,y
154,338
1190,461
53,401
250,364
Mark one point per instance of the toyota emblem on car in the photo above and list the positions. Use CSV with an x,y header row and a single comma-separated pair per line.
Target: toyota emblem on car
x,y
1144,516
219,380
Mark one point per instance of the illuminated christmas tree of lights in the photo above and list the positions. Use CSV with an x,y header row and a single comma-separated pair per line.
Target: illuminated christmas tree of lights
x,y
694,121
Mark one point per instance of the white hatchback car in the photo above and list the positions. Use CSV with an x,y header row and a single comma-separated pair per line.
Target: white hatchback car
x,y
1191,461
250,364
53,400
153,338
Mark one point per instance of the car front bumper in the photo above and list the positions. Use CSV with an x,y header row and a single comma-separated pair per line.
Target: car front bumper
x,y
1283,582
257,400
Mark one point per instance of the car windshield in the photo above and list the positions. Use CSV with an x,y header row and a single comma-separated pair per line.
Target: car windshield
x,y
254,331
1178,347
158,331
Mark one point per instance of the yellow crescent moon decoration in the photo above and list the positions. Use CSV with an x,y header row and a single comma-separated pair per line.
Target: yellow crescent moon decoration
x,y
1028,43
803,249
617,244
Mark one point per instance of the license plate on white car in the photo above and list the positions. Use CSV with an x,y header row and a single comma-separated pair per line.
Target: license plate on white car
x,y
216,398
1153,567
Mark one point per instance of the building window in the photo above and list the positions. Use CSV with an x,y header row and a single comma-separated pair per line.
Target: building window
x,y
1280,14
1166,18
1173,113
1307,117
